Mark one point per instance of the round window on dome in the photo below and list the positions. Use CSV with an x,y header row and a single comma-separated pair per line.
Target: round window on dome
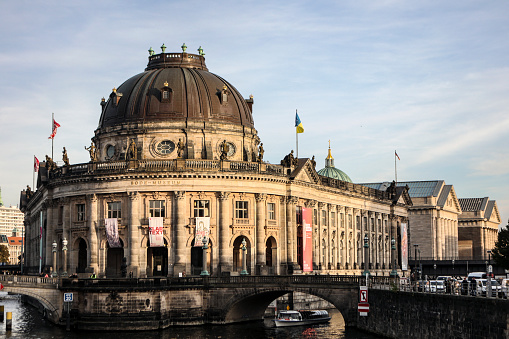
x,y
110,151
165,147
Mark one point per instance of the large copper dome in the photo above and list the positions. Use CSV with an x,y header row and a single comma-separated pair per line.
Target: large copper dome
x,y
176,86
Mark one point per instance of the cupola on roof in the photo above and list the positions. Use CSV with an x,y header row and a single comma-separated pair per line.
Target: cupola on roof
x,y
332,172
176,86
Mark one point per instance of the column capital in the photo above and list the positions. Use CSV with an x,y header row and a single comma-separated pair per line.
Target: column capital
x,y
260,197
134,196
180,195
223,196
92,197
292,200
320,205
310,203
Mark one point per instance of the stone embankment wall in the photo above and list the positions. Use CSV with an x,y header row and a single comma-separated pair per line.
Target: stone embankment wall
x,y
417,315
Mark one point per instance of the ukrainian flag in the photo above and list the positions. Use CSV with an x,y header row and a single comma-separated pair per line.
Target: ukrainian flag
x,y
298,124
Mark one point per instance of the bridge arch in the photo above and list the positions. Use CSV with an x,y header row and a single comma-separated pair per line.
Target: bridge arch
x,y
251,303
52,311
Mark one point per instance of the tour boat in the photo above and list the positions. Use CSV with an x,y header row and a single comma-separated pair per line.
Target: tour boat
x,y
297,318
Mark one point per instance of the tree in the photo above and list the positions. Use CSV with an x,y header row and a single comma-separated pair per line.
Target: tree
x,y
501,251
4,254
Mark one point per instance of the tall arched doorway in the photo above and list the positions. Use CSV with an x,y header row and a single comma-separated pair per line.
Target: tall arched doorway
x,y
237,254
197,259
114,260
82,256
157,261
271,254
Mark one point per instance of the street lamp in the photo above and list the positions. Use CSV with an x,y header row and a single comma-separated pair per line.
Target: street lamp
x,y
64,249
204,271
490,270
244,258
394,273
366,256
415,260
54,246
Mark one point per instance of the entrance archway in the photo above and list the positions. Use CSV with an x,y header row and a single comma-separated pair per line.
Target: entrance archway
x,y
271,254
114,260
197,259
82,256
237,254
157,261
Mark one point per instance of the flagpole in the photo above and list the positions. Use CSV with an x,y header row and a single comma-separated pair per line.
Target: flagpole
x,y
52,119
33,175
395,168
296,139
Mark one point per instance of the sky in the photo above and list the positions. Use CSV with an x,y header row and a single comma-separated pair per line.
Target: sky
x,y
428,79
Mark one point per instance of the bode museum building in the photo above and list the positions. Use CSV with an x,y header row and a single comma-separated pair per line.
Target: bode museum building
x,y
176,159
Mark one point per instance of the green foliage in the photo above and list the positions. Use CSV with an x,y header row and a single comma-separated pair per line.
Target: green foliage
x,y
501,251
4,253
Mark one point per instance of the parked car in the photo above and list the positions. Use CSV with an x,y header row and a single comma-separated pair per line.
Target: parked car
x,y
436,286
504,287
444,277
476,275
482,285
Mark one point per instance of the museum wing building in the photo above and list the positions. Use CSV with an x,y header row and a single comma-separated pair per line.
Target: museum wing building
x,y
176,159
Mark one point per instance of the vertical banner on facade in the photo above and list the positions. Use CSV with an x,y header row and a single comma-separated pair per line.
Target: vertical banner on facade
x,y
307,240
404,247
202,230
111,225
155,231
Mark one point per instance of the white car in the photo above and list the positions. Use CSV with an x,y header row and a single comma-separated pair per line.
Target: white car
x,y
482,285
436,286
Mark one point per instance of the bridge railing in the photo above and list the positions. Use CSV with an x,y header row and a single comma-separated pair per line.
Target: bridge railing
x,y
28,280
208,281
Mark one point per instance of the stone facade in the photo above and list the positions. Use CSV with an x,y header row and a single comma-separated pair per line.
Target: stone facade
x,y
478,227
158,155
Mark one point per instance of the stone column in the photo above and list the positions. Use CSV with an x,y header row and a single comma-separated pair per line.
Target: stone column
x,y
261,199
66,231
225,255
291,203
50,234
134,234
180,232
440,238
321,264
92,222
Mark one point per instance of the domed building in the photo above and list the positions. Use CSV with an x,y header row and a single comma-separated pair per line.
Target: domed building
x,y
332,172
175,164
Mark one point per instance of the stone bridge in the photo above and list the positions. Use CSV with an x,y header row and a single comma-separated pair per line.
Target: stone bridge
x,y
146,304
162,302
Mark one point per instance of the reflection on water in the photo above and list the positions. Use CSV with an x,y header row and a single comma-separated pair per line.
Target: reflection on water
x,y
28,323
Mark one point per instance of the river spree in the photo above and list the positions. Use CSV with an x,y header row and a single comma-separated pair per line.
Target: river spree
x,y
28,323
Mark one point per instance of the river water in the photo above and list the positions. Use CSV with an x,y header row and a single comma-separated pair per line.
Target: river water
x,y
28,323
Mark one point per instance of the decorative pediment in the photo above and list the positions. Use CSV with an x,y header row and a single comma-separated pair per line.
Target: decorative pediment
x,y
305,171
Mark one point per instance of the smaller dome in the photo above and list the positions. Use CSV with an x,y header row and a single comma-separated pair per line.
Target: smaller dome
x,y
332,172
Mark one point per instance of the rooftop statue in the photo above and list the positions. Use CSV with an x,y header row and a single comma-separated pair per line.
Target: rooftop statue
x,y
50,164
260,152
180,149
92,150
65,158
224,151
132,151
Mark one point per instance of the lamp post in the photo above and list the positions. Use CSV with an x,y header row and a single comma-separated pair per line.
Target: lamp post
x,y
490,270
366,256
244,258
204,271
415,261
394,273
54,246
64,249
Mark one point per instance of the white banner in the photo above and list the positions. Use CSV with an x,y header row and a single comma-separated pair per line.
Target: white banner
x,y
202,230
111,225
155,230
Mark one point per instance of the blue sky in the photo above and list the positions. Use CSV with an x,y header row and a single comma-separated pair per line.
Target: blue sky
x,y
429,79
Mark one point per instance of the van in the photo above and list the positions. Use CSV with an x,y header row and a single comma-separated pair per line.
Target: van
x,y
476,275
